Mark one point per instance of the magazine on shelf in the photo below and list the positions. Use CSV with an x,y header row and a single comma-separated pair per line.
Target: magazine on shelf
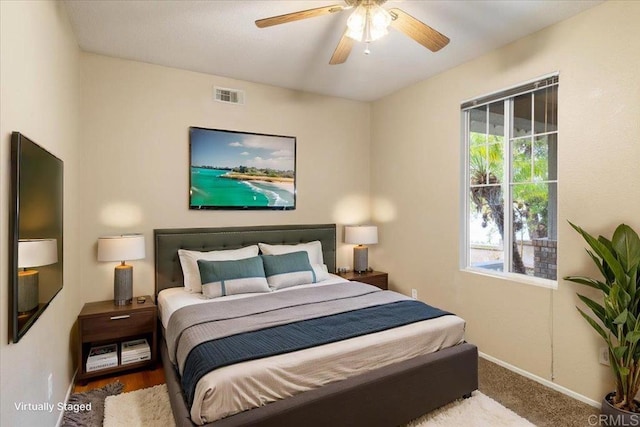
x,y
135,351
135,346
102,357
103,351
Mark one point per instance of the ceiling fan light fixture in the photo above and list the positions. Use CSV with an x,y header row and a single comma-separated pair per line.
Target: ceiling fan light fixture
x,y
368,23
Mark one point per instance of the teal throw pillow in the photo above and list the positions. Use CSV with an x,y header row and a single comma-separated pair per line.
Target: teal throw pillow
x,y
220,278
287,270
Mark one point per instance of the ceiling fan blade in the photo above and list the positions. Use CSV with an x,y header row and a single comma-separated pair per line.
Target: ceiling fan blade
x,y
296,16
419,31
343,50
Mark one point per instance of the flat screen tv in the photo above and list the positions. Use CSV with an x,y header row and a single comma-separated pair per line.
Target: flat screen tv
x,y
36,238
241,170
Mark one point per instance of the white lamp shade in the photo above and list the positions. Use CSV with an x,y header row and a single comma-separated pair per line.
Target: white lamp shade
x,y
37,252
361,235
121,248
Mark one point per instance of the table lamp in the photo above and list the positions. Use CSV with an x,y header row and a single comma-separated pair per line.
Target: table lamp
x,y
33,253
361,235
123,248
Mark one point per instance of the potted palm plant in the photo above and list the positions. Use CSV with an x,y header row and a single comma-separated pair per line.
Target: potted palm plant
x,y
617,319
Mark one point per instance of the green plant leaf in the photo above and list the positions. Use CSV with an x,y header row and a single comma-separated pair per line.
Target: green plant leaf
x,y
622,318
587,281
600,247
619,352
597,309
632,322
626,244
633,336
594,325
606,273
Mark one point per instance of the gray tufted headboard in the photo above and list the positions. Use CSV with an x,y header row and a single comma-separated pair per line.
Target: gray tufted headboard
x,y
168,241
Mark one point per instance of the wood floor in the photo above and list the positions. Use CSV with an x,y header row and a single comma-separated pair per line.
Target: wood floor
x,y
134,380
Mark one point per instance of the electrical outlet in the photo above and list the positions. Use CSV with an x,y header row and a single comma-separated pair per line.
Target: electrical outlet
x,y
414,293
50,386
603,356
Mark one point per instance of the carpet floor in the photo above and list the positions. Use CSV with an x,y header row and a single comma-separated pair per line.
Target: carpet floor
x,y
541,405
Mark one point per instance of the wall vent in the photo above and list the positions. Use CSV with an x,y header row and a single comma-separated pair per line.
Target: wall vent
x,y
229,96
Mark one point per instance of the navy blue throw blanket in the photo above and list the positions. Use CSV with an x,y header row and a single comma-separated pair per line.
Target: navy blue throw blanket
x,y
299,335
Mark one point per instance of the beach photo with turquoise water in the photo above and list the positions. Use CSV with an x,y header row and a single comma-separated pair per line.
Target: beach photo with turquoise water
x,y
236,170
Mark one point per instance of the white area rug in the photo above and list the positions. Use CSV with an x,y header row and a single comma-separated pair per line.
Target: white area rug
x,y
477,411
150,407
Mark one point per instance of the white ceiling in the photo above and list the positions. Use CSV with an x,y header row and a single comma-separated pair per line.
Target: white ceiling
x,y
220,37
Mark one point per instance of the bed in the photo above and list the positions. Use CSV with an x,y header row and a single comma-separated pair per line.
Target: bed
x,y
389,395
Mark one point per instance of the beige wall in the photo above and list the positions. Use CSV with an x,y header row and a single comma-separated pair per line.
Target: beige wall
x,y
39,74
416,188
135,148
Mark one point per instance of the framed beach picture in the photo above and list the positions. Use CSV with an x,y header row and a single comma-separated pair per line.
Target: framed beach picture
x,y
240,170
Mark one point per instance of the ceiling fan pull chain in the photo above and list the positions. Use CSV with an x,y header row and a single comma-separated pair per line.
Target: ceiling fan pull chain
x,y
366,49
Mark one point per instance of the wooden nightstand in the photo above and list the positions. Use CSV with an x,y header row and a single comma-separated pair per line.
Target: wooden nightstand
x,y
101,323
375,278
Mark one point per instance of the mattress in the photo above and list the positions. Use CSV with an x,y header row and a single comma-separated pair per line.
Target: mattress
x,y
246,385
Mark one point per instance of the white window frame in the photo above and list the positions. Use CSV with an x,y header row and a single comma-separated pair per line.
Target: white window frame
x,y
466,106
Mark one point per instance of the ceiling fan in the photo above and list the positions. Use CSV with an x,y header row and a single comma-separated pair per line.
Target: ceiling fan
x,y
367,23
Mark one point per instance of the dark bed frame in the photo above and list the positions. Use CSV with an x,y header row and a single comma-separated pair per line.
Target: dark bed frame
x,y
388,396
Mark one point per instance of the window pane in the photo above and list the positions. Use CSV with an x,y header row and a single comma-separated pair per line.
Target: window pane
x,y
478,125
486,164
546,109
521,115
478,169
521,160
496,122
485,235
495,159
476,139
534,213
545,151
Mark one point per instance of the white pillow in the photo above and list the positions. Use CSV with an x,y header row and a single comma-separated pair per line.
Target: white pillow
x,y
313,249
189,263
321,271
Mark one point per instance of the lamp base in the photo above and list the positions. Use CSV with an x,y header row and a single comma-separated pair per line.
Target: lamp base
x,y
360,258
27,291
123,285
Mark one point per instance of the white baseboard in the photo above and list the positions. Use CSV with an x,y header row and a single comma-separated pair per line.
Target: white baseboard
x,y
541,380
66,398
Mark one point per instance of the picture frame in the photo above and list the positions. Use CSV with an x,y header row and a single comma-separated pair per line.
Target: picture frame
x,y
241,170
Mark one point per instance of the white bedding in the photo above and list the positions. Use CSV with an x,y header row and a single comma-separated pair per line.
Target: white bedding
x,y
172,299
236,388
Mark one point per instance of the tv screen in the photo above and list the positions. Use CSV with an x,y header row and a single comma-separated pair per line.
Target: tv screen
x,y
240,170
36,225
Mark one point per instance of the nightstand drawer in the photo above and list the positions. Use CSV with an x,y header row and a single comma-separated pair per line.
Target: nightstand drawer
x,y
375,278
379,281
113,324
